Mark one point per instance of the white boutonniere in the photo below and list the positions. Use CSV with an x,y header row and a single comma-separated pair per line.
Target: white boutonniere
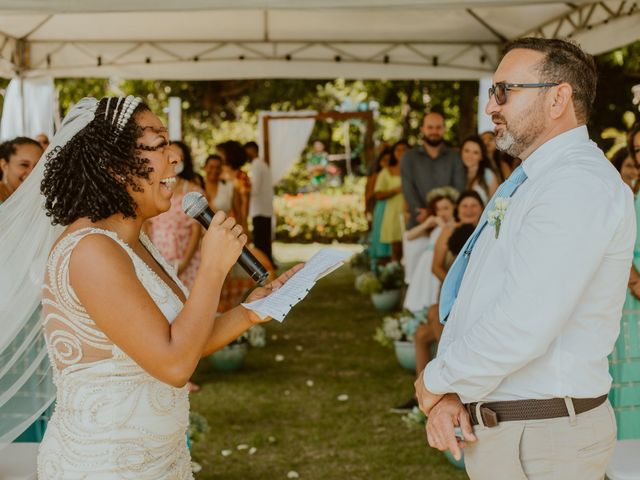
x,y
496,214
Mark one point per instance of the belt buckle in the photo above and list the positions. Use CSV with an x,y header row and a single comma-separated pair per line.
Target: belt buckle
x,y
489,417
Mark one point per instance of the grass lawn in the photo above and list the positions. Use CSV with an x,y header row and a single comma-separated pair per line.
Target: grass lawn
x,y
269,405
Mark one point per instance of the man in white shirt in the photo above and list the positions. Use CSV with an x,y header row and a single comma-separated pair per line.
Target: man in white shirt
x,y
261,201
532,307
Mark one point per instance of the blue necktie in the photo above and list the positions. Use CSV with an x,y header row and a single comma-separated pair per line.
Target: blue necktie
x,y
451,284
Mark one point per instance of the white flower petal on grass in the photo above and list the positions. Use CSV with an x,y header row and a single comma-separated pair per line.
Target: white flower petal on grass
x,y
343,397
293,474
310,383
299,348
271,439
225,453
195,467
242,446
252,450
279,358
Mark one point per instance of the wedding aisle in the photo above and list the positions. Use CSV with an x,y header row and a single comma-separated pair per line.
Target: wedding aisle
x,y
314,403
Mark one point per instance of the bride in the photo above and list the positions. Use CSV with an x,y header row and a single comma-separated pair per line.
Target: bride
x,y
122,333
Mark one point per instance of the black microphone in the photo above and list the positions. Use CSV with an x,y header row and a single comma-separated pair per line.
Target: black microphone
x,y
196,206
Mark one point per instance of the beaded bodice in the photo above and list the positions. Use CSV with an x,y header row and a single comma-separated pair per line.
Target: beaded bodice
x,y
112,419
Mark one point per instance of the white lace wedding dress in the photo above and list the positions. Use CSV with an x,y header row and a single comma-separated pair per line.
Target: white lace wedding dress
x,y
112,420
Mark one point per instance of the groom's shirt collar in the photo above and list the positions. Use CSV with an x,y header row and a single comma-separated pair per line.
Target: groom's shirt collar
x,y
546,154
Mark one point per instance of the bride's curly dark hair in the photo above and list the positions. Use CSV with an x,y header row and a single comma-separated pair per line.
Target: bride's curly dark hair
x,y
89,175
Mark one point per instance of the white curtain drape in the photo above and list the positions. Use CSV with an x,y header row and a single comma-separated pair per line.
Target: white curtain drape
x,y
484,120
287,139
30,108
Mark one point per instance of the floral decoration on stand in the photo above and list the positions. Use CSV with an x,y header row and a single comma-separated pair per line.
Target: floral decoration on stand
x,y
385,277
399,328
256,336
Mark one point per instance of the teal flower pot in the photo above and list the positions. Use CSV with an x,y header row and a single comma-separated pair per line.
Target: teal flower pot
x,y
456,463
229,358
406,355
386,301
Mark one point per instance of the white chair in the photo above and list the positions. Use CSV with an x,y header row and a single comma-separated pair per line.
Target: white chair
x,y
18,461
625,464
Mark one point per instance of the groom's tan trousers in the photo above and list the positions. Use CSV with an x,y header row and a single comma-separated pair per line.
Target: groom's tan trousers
x,y
578,447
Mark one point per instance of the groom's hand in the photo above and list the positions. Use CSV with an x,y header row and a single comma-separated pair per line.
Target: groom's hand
x,y
426,399
447,414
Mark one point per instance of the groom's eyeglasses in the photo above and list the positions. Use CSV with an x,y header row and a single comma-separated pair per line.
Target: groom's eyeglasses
x,y
500,90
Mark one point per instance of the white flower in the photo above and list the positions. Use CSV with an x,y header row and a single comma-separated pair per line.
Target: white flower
x,y
392,329
343,398
501,203
252,450
495,216
279,358
293,474
309,383
257,336
225,453
242,446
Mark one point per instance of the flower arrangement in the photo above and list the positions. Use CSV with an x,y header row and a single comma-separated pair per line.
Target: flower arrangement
x,y
360,261
198,426
368,283
256,336
391,276
399,328
385,277
320,216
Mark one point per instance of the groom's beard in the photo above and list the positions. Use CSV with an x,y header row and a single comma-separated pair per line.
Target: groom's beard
x,y
519,134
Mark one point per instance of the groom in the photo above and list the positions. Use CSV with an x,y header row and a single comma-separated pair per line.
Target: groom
x,y
532,307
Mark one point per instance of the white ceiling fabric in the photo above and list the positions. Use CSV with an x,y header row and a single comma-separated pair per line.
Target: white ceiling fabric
x,y
225,39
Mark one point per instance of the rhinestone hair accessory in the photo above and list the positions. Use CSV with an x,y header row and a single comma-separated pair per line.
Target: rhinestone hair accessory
x,y
129,105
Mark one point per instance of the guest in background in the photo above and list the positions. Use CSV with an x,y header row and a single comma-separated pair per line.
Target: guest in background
x,y
173,232
234,156
377,249
389,187
188,173
17,159
633,142
261,200
424,286
624,361
428,166
43,140
627,166
480,176
219,192
468,211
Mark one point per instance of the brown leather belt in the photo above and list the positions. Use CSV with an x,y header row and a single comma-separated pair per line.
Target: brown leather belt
x,y
495,412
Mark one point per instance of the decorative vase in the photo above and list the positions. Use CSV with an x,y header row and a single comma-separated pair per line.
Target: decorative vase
x,y
456,463
406,355
229,358
386,300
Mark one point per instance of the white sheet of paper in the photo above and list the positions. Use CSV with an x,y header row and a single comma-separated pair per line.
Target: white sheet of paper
x,y
279,303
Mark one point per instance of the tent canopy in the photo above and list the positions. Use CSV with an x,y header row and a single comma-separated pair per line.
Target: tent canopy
x,y
225,39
